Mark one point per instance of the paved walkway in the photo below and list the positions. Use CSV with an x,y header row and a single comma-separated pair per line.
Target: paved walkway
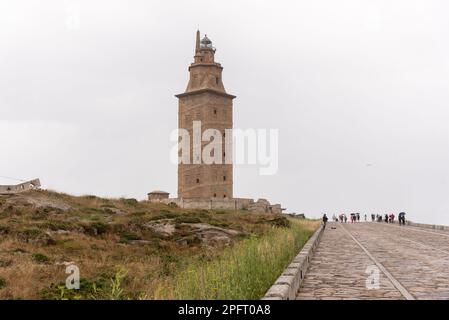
x,y
412,263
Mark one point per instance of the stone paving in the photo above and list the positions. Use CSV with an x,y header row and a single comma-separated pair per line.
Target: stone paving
x,y
413,263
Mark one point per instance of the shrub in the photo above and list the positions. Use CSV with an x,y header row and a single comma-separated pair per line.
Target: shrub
x,y
96,228
221,224
2,283
108,205
35,236
187,219
138,213
41,258
89,197
56,225
279,222
130,202
5,263
130,236
4,230
19,250
164,215
93,211
89,289
100,288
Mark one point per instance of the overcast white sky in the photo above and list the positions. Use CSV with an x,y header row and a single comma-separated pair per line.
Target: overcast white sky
x,y
359,91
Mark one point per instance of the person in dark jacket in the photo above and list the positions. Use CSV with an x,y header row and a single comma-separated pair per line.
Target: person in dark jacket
x,y
324,221
402,218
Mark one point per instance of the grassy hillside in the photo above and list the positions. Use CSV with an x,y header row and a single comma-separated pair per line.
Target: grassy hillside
x,y
127,249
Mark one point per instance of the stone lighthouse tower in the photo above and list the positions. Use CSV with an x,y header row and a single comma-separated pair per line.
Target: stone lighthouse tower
x,y
205,100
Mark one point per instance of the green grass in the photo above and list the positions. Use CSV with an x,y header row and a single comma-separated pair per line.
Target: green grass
x,y
244,271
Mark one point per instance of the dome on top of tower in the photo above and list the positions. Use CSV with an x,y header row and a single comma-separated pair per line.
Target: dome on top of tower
x,y
205,42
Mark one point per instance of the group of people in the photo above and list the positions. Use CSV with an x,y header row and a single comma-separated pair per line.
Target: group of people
x,y
389,218
343,218
355,217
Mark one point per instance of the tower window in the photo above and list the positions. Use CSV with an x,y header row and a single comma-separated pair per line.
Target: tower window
x,y
224,196
217,80
215,111
224,178
215,195
197,180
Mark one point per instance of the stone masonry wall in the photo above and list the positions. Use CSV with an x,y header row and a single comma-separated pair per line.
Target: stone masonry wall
x,y
260,205
25,186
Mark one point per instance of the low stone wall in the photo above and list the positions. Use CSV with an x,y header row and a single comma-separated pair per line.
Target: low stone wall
x,y
260,205
21,187
427,226
208,204
287,285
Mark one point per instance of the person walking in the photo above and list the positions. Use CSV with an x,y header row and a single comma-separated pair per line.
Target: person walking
x,y
358,216
324,221
365,217
392,216
402,218
373,217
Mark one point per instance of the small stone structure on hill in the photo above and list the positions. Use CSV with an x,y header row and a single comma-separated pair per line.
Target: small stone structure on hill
x,y
157,195
21,187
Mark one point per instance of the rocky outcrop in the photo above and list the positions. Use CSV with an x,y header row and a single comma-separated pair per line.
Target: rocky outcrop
x,y
201,233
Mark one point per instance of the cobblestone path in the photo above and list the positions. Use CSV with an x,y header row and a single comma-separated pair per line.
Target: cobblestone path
x,y
411,263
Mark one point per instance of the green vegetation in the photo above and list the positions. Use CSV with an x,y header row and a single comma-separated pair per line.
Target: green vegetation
x,y
2,283
245,271
104,287
129,249
41,258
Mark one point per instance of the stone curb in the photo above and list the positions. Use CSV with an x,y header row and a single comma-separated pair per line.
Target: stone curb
x,y
287,285
427,226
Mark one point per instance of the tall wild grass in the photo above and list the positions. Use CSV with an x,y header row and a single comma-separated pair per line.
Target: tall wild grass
x,y
244,271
